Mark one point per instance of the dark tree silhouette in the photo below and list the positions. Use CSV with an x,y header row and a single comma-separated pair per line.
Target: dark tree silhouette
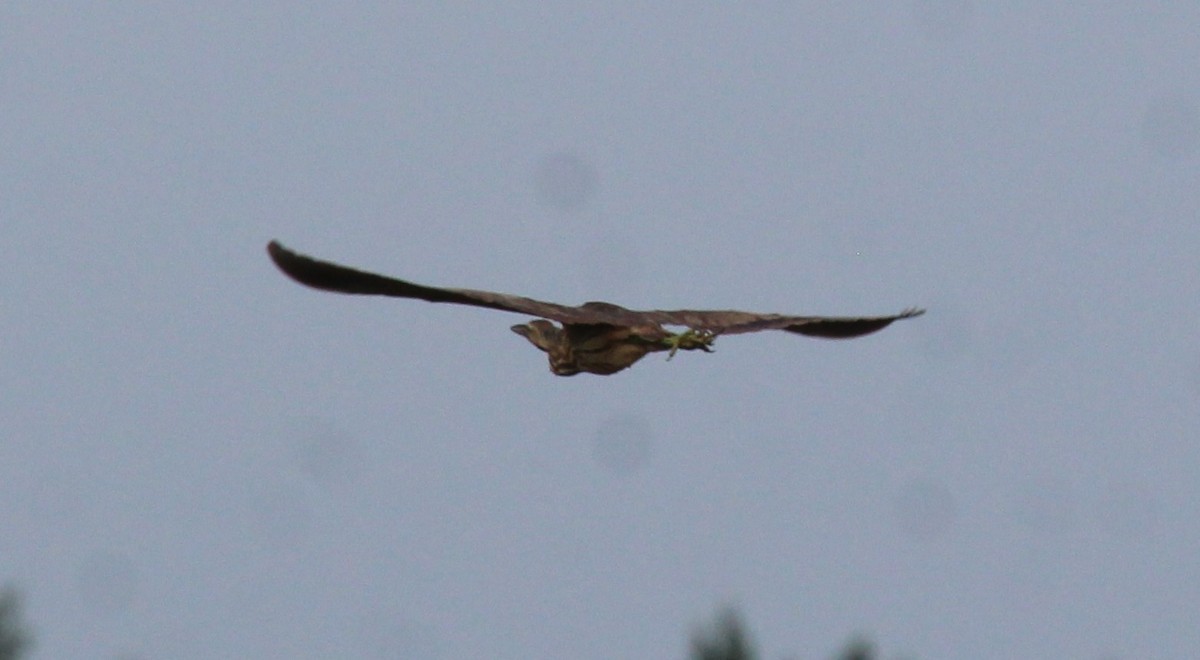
x,y
14,638
859,649
727,639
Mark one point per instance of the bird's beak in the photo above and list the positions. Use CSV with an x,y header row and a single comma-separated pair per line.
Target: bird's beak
x,y
542,334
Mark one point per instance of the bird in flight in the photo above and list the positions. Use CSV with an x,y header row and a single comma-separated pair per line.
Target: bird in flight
x,y
595,337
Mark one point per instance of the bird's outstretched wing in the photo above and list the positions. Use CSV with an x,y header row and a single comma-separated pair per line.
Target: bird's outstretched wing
x,y
730,322
343,279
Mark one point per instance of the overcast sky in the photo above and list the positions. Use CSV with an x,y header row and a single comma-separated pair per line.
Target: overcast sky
x,y
201,459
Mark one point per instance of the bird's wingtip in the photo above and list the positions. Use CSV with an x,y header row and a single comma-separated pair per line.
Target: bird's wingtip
x,y
279,253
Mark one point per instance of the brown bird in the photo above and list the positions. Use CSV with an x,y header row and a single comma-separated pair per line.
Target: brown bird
x,y
596,337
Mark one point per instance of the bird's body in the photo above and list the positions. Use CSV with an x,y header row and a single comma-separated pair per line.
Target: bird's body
x,y
595,337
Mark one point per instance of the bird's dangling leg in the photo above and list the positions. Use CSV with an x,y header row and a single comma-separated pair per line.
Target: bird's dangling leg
x,y
690,340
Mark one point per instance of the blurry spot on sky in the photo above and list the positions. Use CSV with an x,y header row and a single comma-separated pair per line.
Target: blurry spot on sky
x,y
1171,127
565,181
623,443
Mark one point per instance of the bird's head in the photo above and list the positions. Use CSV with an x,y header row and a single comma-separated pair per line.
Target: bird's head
x,y
551,339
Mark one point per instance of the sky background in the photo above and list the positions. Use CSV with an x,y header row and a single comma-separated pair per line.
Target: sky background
x,y
201,459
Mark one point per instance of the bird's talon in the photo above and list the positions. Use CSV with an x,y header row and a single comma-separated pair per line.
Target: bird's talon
x,y
690,340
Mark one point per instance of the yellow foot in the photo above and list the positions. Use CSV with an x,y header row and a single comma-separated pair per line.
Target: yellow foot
x,y
689,341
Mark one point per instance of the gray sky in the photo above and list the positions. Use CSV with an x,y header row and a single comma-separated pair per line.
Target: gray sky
x,y
200,459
